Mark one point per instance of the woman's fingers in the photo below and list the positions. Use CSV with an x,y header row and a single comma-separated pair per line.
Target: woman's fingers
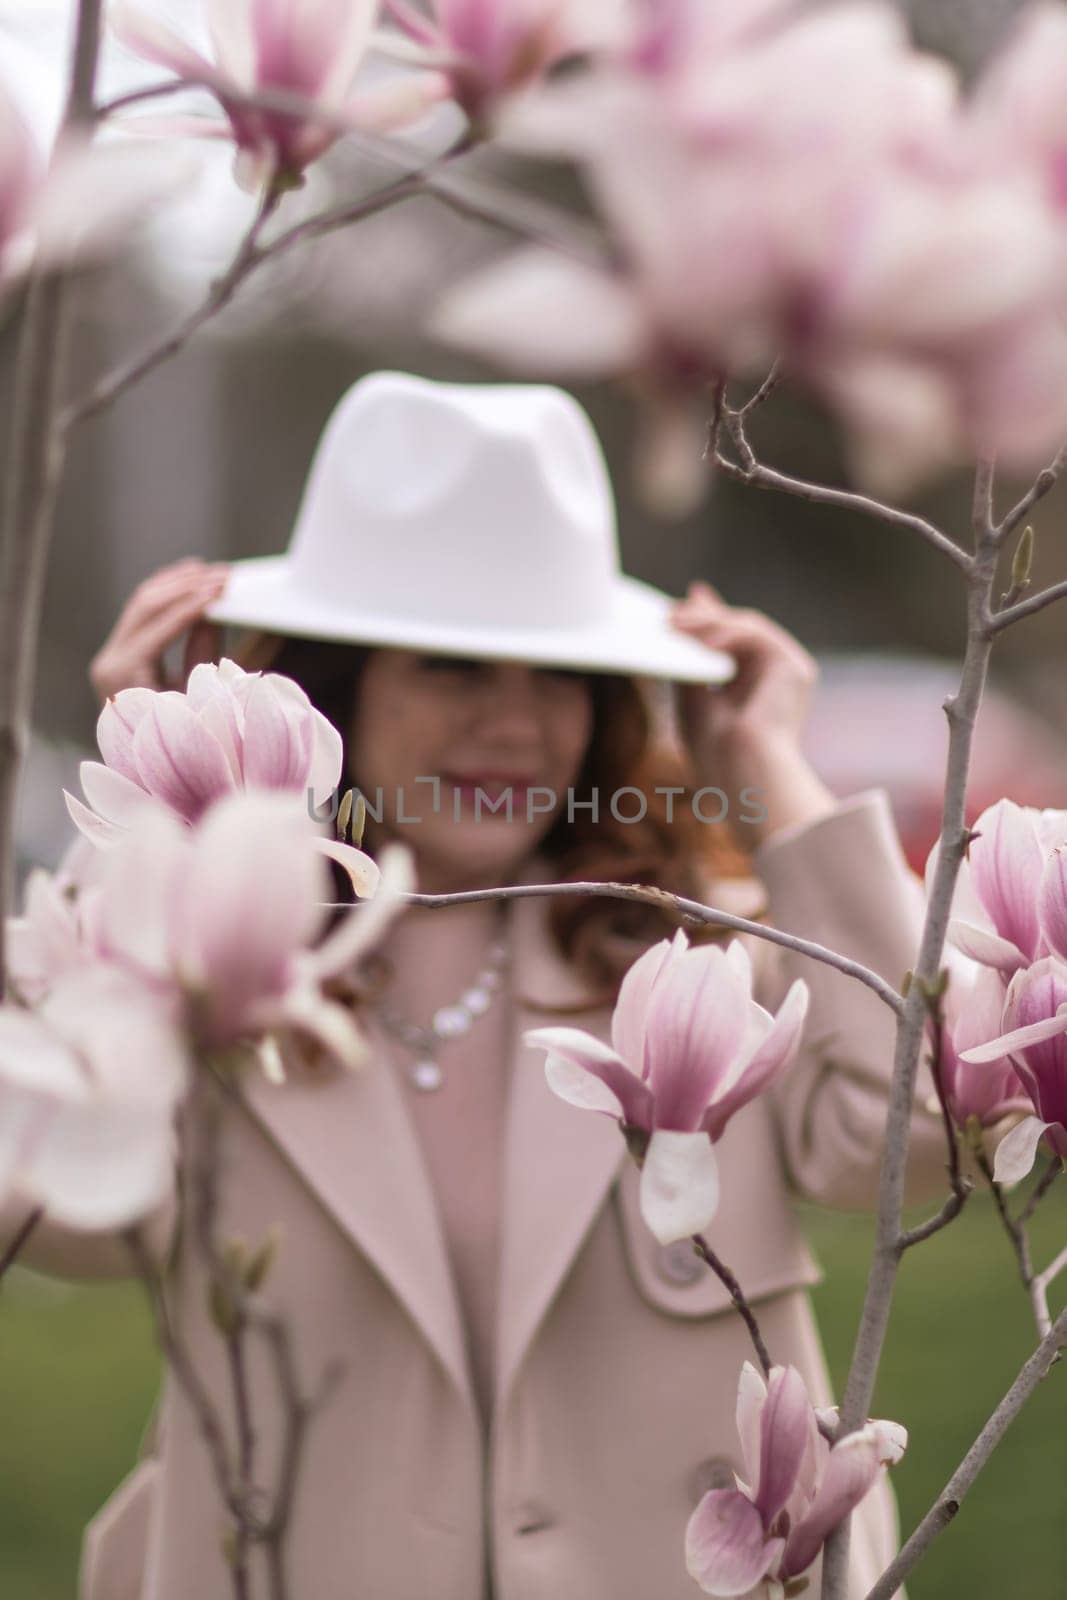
x,y
156,593
158,612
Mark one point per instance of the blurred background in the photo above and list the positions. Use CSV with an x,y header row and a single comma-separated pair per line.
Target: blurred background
x,y
207,457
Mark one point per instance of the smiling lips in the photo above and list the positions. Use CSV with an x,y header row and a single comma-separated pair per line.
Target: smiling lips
x,y
492,784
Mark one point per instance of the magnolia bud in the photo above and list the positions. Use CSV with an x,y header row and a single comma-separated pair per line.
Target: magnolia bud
x,y
1021,561
262,1257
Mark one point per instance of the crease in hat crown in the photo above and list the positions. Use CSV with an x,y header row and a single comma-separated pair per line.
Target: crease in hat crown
x,y
473,518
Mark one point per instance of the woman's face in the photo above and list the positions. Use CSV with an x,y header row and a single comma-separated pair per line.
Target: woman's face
x,y
430,730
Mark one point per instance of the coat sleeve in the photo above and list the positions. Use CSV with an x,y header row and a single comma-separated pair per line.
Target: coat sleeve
x,y
842,881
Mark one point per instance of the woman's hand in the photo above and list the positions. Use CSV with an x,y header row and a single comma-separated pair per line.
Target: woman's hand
x,y
747,733
157,613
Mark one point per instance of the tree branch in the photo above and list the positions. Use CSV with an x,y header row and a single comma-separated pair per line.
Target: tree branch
x,y
692,910
1043,484
741,1305
961,710
762,477
949,1500
999,620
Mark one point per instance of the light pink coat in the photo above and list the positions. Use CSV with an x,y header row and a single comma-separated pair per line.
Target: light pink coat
x,y
616,1368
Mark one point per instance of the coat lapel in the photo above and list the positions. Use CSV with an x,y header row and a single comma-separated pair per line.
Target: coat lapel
x,y
350,1137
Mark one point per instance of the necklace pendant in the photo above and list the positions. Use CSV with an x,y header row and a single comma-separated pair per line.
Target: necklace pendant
x,y
426,1075
451,1021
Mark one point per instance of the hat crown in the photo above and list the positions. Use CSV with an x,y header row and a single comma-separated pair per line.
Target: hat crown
x,y
470,501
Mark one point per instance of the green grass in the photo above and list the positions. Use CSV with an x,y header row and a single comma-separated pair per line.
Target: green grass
x,y
79,1372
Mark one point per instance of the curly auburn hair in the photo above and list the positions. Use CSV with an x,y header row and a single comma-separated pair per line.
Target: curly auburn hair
x,y
601,936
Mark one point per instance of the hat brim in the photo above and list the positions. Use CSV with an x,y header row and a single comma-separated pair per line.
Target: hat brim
x,y
635,636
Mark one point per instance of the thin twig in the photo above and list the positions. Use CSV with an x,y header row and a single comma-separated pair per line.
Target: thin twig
x,y
1053,1168
951,1209
1053,1270
180,1363
726,1277
960,1187
998,620
15,1244
1042,485
762,394
104,392
691,909
1015,1228
762,477
982,503
952,1495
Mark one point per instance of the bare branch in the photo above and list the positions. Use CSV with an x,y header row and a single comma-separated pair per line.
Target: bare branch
x,y
1015,1228
999,620
952,1495
762,394
951,1209
23,1232
108,389
820,494
1043,484
741,1305
982,503
960,1187
686,909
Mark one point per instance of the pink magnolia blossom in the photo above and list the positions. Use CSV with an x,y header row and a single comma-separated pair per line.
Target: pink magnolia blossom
x,y
1017,112
489,49
690,1047
1033,1031
228,917
973,1006
1010,900
89,1082
229,731
800,191
771,1528
58,932
309,48
76,203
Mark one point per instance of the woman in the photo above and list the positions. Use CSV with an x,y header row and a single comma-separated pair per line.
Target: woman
x,y
535,1393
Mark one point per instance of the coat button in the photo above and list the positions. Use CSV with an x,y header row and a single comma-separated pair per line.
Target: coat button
x,y
715,1472
679,1262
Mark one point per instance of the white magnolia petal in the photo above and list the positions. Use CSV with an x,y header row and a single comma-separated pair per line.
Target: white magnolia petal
x,y
329,1024
751,1395
361,870
105,1164
357,933
578,1086
983,945
1017,1151
679,1184
34,1059
1018,1038
98,832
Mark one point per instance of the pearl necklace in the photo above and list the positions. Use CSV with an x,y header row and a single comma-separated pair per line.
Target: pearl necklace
x,y
448,1022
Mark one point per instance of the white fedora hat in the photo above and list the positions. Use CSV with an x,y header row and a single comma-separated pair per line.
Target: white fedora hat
x,y
467,519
